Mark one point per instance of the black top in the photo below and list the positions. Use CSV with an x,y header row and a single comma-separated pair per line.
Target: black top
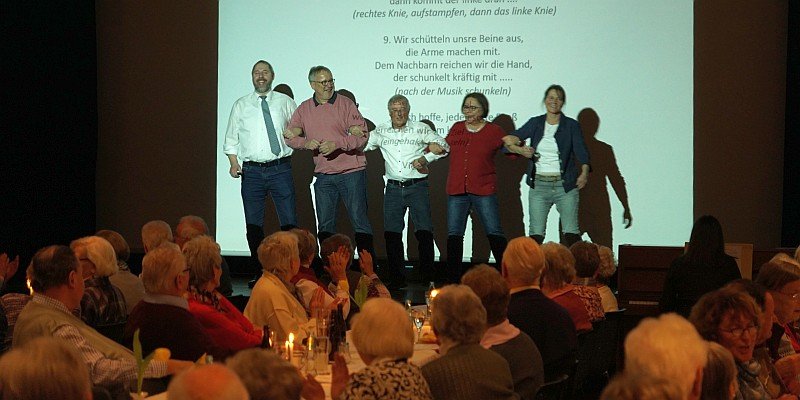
x,y
687,282
550,327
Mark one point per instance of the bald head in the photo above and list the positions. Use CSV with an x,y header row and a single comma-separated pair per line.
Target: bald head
x,y
188,228
155,233
209,382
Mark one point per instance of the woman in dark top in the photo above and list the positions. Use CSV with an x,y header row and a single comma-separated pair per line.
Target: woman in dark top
x,y
703,268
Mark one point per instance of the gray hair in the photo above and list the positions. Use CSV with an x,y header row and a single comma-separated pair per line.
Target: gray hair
x,y
154,233
719,374
523,260
317,69
160,267
202,256
631,385
458,315
190,227
382,329
44,368
608,265
99,251
399,98
667,347
266,375
277,252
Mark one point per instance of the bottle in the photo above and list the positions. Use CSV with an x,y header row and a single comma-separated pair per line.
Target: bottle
x,y
337,331
266,340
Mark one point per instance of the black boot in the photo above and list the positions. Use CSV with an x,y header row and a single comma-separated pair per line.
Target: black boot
x,y
255,234
498,245
425,249
455,254
571,238
539,239
393,274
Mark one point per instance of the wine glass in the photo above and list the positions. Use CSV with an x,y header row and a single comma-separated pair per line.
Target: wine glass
x,y
418,317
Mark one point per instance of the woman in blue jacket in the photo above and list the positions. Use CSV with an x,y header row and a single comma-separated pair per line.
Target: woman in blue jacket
x,y
558,168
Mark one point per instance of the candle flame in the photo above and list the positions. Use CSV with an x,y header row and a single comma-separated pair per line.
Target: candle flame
x,y
291,337
434,292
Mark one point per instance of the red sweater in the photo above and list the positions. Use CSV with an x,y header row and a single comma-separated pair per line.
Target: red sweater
x,y
472,159
228,328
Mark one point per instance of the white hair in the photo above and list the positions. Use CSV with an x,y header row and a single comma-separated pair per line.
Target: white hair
x,y
666,347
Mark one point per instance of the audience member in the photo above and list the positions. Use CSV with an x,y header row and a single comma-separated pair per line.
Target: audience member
x,y
669,348
208,382
56,278
11,305
266,375
219,317
384,338
307,283
730,318
587,262
7,268
272,302
768,373
705,267
501,336
191,226
102,303
129,284
459,322
340,242
44,368
155,233
719,376
633,386
782,280
547,323
608,266
556,283
163,316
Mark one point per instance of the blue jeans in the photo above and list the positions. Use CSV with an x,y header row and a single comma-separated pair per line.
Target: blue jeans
x,y
398,199
275,181
351,188
542,197
485,206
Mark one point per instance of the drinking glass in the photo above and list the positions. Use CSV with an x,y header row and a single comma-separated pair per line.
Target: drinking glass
x,y
322,346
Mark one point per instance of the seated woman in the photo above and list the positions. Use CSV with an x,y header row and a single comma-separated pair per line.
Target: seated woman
x,y
587,262
218,316
730,318
608,266
501,336
556,282
766,303
384,338
341,244
782,281
272,301
459,322
103,303
308,284
705,267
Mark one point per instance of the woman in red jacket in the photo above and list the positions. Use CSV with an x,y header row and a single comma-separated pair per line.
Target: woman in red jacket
x,y
219,317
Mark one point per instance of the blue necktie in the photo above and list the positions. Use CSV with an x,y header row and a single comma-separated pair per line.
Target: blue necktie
x,y
274,145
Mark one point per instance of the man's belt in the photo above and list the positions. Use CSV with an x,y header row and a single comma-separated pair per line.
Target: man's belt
x,y
268,163
406,183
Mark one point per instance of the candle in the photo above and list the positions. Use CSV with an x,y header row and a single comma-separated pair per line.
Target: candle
x,y
290,346
434,292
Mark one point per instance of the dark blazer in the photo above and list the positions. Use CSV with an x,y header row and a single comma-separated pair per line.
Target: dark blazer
x,y
569,140
550,327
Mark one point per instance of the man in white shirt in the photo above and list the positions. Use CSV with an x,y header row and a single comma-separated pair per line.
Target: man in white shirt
x,y
403,144
255,137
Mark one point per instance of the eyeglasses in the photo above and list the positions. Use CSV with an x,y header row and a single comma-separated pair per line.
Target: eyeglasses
x,y
325,83
397,111
794,297
738,332
470,108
